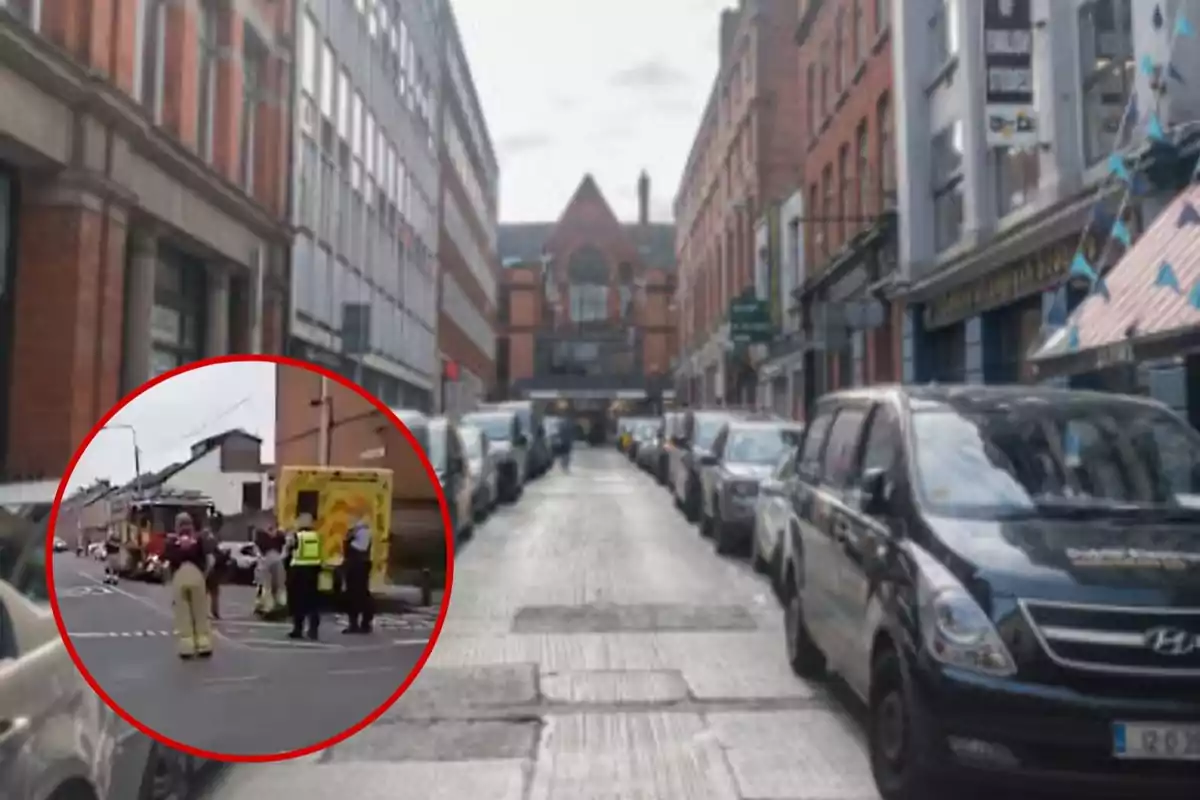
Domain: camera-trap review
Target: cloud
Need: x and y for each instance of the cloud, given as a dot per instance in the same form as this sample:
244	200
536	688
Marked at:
652	74
519	143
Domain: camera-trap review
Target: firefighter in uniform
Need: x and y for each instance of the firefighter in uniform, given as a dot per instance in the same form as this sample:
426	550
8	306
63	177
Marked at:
303	576
188	561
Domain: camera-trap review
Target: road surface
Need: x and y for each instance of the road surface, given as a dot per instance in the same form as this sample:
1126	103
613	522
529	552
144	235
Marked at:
596	647
258	693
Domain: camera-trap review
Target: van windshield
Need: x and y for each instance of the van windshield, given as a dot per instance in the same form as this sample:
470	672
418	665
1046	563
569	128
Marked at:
1080	457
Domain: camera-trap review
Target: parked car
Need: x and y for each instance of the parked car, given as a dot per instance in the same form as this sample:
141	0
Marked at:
744	453
772	516
650	447
538	458
242	558
60	545
694	439
447	455
484	469
57	737
507	439
1007	576
668	434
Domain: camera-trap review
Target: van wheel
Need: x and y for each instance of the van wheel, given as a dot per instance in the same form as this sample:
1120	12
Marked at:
805	658
897	735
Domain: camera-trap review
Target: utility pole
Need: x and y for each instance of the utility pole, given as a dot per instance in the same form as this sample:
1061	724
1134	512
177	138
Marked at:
324	424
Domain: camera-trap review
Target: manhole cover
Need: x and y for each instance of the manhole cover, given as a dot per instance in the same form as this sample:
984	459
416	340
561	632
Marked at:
631	619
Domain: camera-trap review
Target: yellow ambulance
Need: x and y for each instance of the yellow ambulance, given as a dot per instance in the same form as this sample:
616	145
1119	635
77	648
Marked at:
337	497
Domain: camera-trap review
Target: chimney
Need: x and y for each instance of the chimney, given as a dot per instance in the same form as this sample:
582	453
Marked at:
643	198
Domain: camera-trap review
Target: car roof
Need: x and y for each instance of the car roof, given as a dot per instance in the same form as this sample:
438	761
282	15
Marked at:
969	396
764	424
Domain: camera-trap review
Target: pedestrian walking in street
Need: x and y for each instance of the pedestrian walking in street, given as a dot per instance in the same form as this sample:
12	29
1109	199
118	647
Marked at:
357	563
304	573
271	598
188	561
112	558
568	442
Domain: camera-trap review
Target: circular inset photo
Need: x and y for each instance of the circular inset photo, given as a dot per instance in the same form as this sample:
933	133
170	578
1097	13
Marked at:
258	557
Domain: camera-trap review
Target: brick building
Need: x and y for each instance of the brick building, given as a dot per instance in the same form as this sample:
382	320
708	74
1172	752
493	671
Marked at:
746	156
585	304
845	60
467	216
143	150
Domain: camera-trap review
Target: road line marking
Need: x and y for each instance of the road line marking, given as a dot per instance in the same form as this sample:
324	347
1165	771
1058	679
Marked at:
233	679
410	641
116	634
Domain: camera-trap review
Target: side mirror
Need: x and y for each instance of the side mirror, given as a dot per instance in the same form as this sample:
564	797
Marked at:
708	460
876	493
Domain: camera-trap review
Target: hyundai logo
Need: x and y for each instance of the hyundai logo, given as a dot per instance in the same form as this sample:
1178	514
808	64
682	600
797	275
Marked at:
1168	641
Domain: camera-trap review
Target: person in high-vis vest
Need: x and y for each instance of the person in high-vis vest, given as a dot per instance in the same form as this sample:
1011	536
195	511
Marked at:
304	571
188	562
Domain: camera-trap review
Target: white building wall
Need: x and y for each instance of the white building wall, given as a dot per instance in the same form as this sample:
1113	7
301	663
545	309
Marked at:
924	106
225	488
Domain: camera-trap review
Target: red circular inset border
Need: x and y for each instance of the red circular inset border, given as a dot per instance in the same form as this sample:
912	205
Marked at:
437	628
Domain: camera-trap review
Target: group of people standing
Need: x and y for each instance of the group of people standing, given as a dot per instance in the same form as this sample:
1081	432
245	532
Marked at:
289	576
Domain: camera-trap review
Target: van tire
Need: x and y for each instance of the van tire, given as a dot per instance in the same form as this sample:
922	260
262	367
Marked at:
901	769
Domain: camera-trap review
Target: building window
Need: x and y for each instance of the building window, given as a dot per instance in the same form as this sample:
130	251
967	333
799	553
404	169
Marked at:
858	34
947	150
254	59
862	145
886	156
1107	69
308	72
825	79
208	28
845	187
883	15
1017	177
812	98
343	116
827	210
328	71
356	141
152	36
840	73
587	273
944	27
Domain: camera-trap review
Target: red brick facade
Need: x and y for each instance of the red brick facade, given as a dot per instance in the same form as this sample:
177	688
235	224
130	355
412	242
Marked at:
845	69
80	199
746	156
588	222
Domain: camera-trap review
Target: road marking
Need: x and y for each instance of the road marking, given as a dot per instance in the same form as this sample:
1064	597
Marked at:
232	679
82	591
117	634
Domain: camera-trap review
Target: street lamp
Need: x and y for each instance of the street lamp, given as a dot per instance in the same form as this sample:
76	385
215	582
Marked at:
137	463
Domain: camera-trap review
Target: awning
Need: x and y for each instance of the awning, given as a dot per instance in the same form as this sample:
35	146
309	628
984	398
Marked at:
1153	305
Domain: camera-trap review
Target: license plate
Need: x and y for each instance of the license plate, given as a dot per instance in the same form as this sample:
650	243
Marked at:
1156	740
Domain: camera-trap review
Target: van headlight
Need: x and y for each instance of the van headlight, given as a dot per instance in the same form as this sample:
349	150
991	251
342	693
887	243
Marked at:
956	631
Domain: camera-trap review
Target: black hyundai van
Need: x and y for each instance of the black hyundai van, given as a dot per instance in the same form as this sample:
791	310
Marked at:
1009	577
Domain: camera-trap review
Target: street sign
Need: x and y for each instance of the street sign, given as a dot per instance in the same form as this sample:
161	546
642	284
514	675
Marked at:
750	320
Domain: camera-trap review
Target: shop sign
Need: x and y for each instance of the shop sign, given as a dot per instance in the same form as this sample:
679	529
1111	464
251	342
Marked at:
1008	64
1014	281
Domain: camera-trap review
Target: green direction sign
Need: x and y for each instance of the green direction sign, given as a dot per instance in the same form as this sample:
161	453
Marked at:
750	320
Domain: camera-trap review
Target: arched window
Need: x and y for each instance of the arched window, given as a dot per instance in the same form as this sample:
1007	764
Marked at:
587	272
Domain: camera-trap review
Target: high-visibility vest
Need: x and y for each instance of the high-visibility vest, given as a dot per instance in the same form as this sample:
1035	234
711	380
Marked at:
307	552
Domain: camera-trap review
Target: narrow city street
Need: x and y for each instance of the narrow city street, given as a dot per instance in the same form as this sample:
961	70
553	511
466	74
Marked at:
259	693
596	647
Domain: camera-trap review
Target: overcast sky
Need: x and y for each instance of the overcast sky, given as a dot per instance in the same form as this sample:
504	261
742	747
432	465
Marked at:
610	88
173	415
